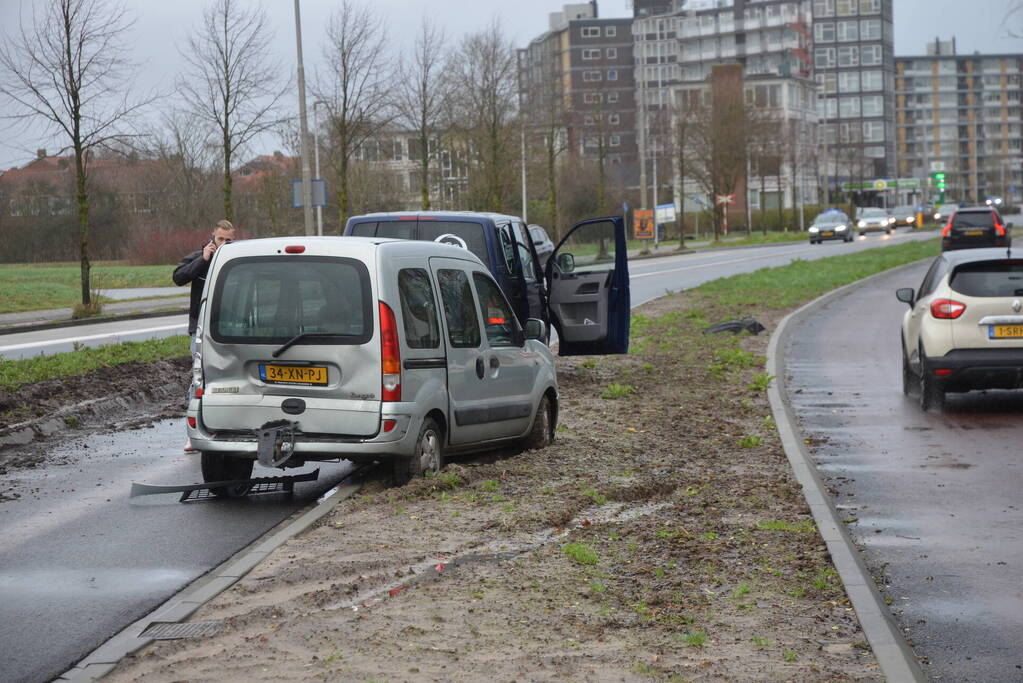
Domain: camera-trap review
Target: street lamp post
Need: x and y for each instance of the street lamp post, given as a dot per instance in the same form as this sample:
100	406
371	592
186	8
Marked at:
307	190
316	156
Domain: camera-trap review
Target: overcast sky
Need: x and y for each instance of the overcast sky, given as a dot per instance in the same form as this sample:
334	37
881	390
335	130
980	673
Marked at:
978	25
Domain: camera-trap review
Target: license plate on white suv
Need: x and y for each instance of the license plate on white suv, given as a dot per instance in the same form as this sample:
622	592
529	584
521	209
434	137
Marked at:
1006	332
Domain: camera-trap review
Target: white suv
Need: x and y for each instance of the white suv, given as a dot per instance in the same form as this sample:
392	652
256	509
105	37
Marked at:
964	327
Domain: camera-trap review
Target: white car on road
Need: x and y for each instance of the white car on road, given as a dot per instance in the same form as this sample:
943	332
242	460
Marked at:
964	327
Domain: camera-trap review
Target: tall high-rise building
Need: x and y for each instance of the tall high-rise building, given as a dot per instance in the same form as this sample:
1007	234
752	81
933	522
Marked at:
854	64
576	81
961	115
677	51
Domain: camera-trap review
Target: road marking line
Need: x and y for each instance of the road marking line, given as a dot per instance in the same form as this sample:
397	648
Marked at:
65	340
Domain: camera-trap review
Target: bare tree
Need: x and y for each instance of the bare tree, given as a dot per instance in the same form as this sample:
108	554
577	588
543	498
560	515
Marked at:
484	76
420	96
355	89
184	147
68	69
544	113
231	81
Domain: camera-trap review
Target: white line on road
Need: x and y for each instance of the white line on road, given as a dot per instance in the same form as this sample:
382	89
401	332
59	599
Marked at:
91	337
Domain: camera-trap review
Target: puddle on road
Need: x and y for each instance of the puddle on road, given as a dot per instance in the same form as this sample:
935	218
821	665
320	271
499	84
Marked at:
92	582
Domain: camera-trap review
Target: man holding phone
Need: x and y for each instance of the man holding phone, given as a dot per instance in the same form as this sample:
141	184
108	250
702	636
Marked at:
193	268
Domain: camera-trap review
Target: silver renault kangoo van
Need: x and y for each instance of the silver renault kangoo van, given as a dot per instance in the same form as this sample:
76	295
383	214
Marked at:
325	348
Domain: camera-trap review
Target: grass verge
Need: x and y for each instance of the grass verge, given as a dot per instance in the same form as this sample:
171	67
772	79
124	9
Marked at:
34	287
15	373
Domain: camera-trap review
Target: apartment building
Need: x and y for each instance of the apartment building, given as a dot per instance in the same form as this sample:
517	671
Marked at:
677	51
961	115
854	65
577	79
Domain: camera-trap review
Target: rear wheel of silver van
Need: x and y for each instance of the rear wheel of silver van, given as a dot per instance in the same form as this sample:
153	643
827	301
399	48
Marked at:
429	455
219	467
542	433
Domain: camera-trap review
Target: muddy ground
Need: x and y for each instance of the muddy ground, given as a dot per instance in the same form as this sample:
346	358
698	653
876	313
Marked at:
660	537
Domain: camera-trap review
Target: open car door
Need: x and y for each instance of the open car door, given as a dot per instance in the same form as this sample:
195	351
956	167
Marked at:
588	285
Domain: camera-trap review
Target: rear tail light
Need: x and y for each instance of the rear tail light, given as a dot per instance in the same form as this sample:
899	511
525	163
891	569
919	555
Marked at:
943	372
199	392
947	309
947	229
390	355
294	249
191	422
999	228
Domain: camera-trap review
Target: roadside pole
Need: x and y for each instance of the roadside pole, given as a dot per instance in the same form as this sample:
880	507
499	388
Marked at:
307	176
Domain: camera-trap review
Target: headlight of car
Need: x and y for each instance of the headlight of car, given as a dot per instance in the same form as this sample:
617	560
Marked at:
937	216
910	219
862	224
840	228
815	230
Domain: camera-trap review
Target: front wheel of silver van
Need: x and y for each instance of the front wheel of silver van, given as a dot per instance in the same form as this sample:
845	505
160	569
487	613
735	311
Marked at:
219	467
429	455
542	433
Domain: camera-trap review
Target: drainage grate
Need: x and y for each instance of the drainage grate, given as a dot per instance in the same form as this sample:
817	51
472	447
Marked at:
172	630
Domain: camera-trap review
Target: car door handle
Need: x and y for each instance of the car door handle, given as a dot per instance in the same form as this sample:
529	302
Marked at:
495	363
479	368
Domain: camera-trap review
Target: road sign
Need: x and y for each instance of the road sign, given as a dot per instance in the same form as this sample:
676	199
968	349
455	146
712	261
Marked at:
665	213
643	224
880	184
319	193
725	199
937	166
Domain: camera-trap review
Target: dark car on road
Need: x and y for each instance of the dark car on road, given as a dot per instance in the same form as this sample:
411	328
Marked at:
905	214
831	225
971	227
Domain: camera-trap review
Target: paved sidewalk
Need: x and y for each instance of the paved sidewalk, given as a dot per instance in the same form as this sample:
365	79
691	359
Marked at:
119	309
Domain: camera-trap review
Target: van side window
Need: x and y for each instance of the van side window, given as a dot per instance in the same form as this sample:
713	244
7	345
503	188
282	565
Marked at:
459	309
507	248
525	254
418	309
498	319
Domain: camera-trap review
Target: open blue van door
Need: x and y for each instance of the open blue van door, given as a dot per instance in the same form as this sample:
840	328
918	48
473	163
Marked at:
588	284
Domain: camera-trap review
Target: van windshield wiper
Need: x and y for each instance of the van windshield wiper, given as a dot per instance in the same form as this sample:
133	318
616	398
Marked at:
297	338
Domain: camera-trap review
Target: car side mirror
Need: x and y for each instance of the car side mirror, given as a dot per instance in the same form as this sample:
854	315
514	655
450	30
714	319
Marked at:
566	263
536	329
906	295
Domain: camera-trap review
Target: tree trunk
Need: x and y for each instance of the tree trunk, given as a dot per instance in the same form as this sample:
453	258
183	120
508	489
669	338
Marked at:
82	201
552	188
342	191
424	182
228	207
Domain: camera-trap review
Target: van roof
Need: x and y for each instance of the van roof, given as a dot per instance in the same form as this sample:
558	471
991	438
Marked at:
358	247
438	215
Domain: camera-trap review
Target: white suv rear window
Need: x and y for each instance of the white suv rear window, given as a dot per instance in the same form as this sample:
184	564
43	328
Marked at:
989	278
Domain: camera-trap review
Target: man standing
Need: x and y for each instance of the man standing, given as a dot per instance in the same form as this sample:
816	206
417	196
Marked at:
193	268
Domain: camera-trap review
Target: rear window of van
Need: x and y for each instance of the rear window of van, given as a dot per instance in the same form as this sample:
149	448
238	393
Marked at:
271	299
989	278
467	231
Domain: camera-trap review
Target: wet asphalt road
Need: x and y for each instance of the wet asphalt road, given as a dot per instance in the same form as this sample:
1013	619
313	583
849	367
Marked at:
932	498
79	560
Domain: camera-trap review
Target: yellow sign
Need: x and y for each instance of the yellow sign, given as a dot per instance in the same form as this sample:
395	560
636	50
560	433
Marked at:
643	224
880	185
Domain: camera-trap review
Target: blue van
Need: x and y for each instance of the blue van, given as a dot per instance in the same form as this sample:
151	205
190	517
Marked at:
583	292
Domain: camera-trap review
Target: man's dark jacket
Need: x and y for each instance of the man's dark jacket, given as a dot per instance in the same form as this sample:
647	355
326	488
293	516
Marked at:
193	268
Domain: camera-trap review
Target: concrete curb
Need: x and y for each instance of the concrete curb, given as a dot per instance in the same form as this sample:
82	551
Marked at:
893	654
103	659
